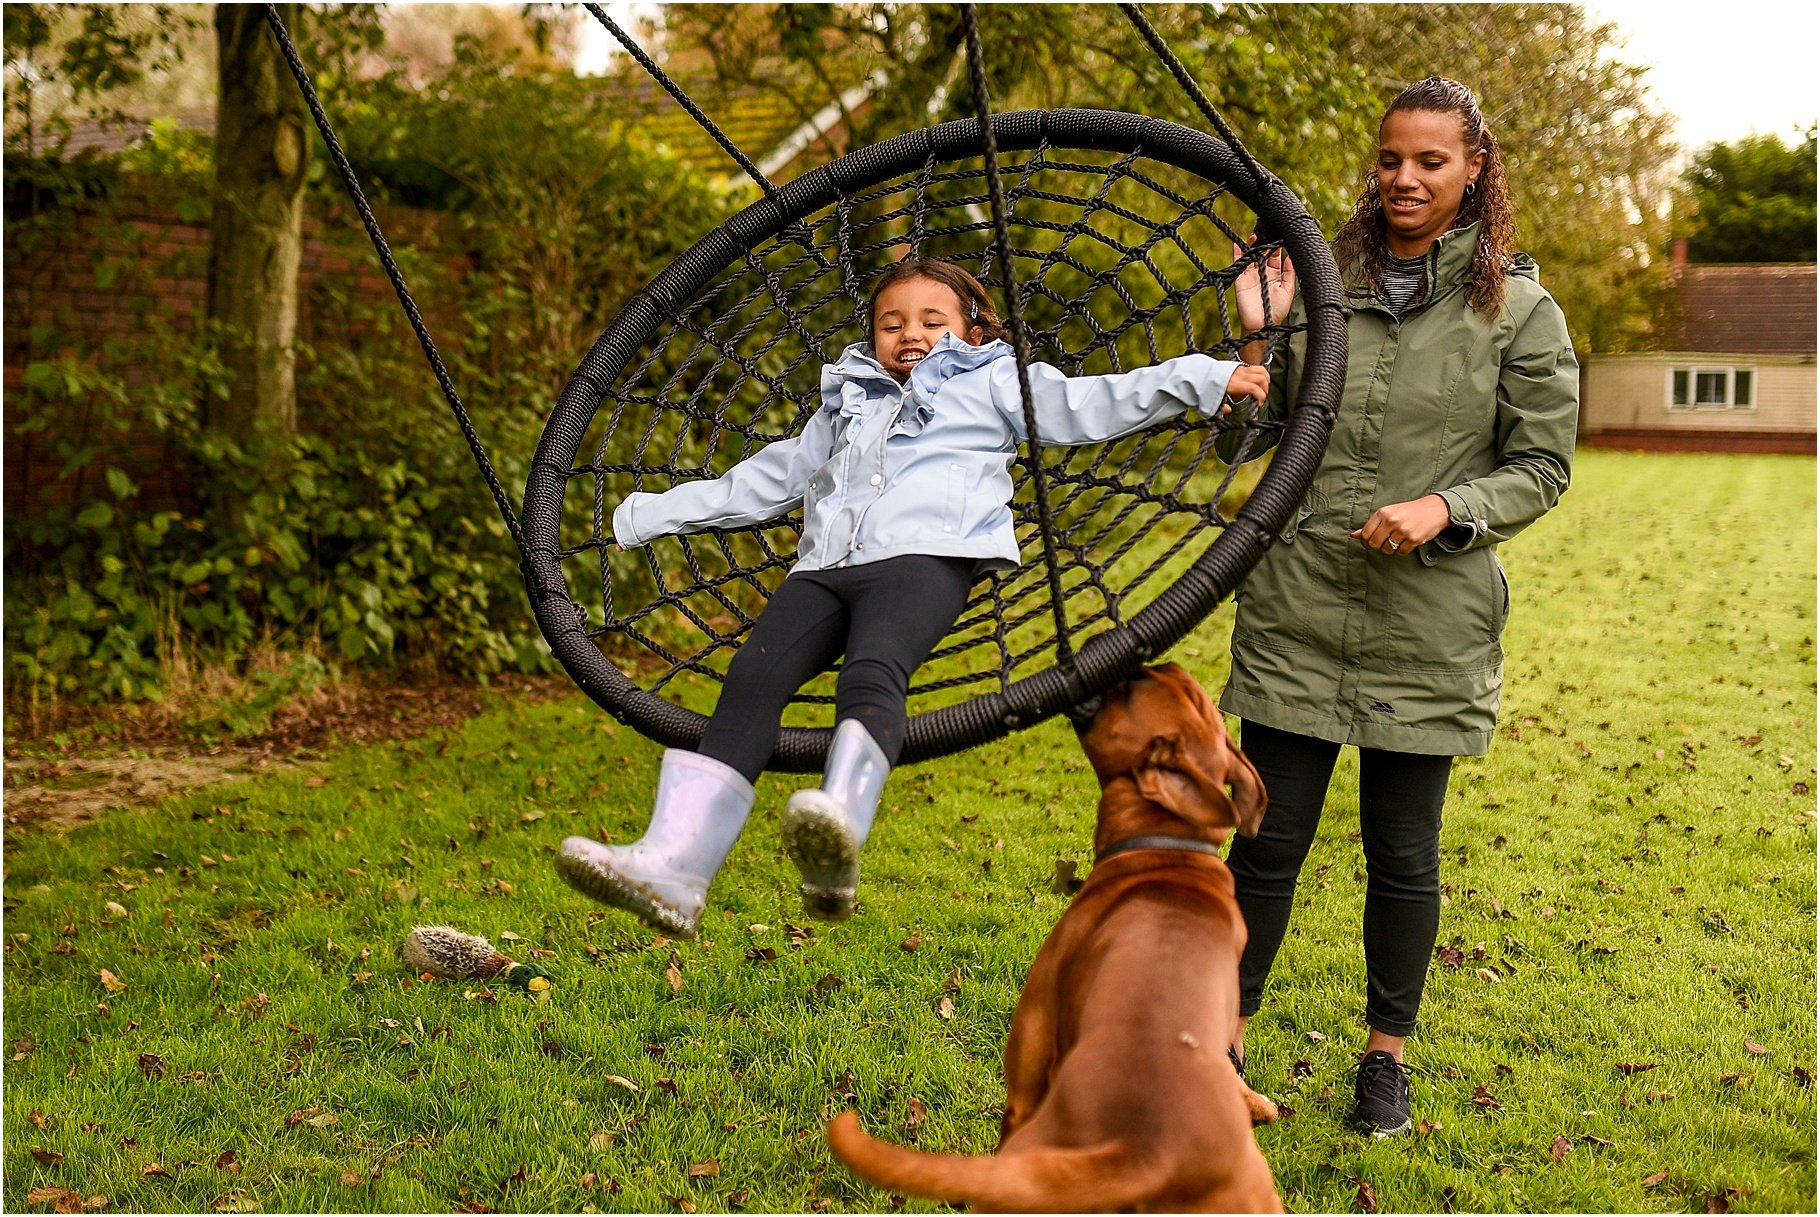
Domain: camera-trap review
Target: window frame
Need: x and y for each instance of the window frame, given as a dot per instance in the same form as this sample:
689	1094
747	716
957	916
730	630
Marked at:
1693	371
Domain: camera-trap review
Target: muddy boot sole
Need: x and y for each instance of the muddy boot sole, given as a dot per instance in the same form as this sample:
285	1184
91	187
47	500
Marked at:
818	840
597	882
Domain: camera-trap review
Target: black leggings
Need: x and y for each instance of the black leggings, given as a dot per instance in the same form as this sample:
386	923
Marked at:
885	616
1400	797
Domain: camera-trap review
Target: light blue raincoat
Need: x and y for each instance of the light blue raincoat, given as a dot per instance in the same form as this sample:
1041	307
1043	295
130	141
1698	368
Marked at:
885	469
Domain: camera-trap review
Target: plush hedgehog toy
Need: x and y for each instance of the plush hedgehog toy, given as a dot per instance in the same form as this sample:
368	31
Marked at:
445	951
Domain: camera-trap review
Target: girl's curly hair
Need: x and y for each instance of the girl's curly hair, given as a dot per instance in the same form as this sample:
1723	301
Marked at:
1362	240
975	304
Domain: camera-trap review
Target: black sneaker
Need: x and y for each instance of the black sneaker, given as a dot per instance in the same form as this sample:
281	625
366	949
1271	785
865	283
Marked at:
1381	1095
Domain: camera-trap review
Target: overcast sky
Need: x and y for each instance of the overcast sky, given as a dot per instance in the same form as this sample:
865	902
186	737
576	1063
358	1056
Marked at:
1723	69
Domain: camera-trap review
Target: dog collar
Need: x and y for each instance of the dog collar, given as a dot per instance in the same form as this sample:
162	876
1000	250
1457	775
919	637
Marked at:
1155	842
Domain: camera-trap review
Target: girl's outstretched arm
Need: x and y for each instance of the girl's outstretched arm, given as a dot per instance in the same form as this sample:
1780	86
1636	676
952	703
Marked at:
1091	409
762	487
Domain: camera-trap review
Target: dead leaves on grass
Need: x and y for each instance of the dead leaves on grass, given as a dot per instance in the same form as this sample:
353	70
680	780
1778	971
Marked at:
62	1200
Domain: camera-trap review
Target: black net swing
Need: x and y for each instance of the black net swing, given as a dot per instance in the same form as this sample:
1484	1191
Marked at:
1105	234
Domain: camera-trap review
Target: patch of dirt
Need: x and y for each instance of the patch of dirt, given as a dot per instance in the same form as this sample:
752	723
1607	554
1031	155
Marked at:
123	757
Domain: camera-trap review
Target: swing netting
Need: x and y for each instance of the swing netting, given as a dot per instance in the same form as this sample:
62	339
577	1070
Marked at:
1121	235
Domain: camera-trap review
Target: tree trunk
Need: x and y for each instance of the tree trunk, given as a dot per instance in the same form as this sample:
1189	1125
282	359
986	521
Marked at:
256	239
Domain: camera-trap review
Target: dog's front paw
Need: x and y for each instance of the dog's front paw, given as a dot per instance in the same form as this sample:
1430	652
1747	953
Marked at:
1262	1110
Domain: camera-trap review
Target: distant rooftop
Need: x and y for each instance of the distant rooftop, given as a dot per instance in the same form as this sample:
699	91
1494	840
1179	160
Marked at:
1745	309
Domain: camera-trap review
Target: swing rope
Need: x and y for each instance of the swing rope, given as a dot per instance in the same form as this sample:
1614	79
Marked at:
1020	339
352	183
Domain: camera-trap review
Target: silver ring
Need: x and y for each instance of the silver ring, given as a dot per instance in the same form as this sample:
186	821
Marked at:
1394	546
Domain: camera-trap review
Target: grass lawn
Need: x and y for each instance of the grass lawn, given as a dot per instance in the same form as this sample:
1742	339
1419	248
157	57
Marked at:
205	1009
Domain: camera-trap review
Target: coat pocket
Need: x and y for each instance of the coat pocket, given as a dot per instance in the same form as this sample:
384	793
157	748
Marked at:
954	507
1447	617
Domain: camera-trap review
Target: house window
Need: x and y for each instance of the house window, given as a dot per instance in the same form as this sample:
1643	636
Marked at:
1711	388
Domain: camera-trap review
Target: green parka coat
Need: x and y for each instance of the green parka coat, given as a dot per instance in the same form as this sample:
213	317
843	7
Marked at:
1402	652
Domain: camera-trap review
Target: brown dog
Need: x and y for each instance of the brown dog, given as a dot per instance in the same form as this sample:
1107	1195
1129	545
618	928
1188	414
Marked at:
1118	1090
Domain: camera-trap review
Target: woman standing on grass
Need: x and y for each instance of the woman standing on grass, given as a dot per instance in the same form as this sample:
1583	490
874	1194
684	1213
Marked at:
1375	619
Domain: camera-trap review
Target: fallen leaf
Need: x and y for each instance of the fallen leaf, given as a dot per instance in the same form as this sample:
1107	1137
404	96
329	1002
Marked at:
513	1179
1560	1148
1316	1037
667	1085
1658	1096
323	1120
602	1140
1802	1077
110	982
1367	1199
944	1009
1653	1180
115	909
628	1083
37	1118
49	1157
1641	1067
151	1066
918	1112
828	984
23	1048
228	1161
953	983
682	1203
1066	881
236	1201
761	954
352	1178
673	973
1449	955
1481	1097
709	1169
1754	1048
154	1168
910	943
1424	1128
738	1199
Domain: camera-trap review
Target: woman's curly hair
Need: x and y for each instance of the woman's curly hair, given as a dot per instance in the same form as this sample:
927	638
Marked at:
970	291
1362	241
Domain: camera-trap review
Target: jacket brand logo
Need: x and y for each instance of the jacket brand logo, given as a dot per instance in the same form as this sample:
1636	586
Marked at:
1383	707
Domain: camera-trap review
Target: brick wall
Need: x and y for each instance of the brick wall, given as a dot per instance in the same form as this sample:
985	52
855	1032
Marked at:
144	254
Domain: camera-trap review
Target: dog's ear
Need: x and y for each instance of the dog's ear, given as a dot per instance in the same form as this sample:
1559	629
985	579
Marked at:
1192	783
1169	777
1247	792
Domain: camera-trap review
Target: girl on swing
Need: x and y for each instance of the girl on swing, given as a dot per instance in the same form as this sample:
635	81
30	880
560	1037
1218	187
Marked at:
904	481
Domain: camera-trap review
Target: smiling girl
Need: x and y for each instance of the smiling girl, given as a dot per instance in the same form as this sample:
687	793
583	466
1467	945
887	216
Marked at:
904	480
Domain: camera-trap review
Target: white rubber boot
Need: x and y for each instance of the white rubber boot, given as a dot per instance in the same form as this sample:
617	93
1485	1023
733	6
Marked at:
824	829
663	876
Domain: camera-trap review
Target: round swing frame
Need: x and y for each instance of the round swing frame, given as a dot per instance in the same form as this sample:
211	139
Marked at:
1104	659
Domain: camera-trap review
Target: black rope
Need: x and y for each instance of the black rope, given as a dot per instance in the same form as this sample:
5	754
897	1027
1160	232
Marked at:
683	99
1014	315
1193	89
352	184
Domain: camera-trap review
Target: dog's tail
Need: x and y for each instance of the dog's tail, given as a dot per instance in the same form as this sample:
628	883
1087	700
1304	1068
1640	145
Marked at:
1091	1178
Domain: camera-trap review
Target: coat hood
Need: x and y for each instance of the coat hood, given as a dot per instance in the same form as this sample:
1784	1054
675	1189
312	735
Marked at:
1450	263
950	358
